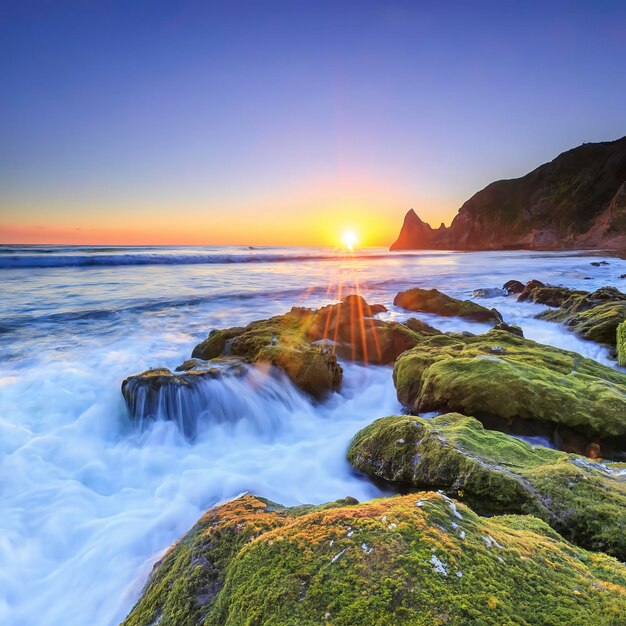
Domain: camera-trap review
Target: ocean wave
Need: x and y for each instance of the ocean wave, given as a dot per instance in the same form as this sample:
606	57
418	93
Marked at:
15	261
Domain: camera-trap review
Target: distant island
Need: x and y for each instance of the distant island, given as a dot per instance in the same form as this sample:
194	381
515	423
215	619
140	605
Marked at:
578	200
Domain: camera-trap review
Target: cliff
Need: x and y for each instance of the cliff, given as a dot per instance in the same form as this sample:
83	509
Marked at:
578	200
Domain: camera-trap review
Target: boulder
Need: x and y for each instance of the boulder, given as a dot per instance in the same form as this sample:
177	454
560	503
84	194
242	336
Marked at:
356	334
513	286
507	377
348	329
496	473
280	342
593	316
540	293
414	559
433	301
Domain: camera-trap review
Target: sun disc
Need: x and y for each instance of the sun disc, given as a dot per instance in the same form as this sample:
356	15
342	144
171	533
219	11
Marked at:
349	239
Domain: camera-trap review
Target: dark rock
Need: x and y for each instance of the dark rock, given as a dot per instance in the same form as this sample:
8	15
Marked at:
513	286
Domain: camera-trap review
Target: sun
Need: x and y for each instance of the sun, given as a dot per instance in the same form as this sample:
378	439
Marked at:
349	239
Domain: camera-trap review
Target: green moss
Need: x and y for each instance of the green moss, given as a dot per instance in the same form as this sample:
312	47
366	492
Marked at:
433	301
417	559
620	334
502	375
279	341
593	316
495	473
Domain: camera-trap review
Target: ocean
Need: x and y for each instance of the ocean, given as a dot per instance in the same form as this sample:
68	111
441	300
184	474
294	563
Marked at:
89	500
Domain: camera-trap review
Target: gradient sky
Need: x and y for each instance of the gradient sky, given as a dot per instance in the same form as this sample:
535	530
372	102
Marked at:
285	122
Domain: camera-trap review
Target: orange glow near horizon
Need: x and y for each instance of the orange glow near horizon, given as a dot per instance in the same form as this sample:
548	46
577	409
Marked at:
313	215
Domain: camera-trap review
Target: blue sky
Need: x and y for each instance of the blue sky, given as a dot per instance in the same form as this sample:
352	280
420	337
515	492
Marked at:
263	122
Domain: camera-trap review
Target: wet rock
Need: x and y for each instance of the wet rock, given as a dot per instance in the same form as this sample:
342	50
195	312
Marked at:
516	330
513	286
280	342
433	301
594	316
524	380
599	263
356	334
538	292
421	327
179	395
489	292
388	561
496	473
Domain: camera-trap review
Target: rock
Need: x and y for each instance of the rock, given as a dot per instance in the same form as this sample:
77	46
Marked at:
179	395
280	342
622	275
524	380
578	200
496	473
599	263
489	292
621	344
516	330
421	327
513	286
414	559
433	301
593	316
355	333
538	292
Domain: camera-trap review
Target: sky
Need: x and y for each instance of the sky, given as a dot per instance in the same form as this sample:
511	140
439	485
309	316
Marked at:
285	123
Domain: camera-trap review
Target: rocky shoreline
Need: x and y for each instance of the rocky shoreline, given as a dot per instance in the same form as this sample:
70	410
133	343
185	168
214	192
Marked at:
493	530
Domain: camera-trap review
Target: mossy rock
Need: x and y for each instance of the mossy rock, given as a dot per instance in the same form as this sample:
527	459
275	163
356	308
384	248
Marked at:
419	559
496	473
303	343
278	341
433	301
355	334
621	344
348	329
508	377
594	316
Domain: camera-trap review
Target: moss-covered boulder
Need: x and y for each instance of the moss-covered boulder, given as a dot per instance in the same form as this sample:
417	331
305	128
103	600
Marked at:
280	342
348	329
593	316
505	376
540	293
433	301
621	344
303	343
354	332
418	559
496	473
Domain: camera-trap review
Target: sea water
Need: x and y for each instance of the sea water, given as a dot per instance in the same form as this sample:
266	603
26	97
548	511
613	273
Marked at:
88	500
